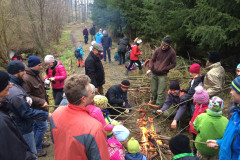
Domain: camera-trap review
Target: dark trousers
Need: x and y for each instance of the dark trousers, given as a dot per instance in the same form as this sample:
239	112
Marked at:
85	39
133	61
115	110
57	96
194	148
108	52
121	56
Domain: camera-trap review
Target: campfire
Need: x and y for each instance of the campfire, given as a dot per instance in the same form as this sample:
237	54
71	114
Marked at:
150	143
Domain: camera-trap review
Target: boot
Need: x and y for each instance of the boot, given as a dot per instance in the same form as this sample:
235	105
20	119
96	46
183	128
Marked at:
140	72
126	73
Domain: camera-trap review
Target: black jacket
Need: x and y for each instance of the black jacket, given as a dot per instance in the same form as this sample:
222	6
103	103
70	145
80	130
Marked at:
94	69
106	41
13	146
123	44
93	31
21	112
116	96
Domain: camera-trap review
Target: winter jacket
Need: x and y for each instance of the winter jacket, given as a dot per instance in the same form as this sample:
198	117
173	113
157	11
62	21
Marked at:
60	75
116	96
232	107
21	112
108	120
96	113
136	156
85	32
185	156
93	31
98	37
34	86
135	52
94	69
198	81
106	41
123	44
230	143
199	109
173	100
76	135
214	79
13	146
162	61
209	125
115	149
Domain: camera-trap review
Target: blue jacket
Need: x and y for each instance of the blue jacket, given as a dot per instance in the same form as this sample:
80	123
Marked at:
20	110
98	37
230	143
135	156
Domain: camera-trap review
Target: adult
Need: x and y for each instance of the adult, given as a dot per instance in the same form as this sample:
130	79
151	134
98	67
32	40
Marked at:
215	78
163	59
173	98
11	140
107	45
34	86
92	32
56	73
117	97
123	44
229	144
134	56
81	136
99	36
233	106
20	102
85	34
94	68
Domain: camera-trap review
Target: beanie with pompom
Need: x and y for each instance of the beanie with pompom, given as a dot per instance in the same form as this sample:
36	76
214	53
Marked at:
200	96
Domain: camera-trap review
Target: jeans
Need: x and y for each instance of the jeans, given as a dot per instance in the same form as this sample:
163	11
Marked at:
39	128
108	52
158	85
85	39
121	56
57	96
29	138
92	37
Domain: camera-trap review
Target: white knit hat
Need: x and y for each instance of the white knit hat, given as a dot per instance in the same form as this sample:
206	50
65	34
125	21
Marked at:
49	59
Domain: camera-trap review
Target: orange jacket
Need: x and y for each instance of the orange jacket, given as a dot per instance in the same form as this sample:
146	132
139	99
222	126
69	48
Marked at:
135	52
76	135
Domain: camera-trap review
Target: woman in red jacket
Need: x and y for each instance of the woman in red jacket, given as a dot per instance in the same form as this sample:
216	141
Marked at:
56	73
134	56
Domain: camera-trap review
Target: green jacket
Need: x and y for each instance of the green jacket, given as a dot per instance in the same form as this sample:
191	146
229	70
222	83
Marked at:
209	126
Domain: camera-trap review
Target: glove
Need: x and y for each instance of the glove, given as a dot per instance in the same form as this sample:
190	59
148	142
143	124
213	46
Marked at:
29	100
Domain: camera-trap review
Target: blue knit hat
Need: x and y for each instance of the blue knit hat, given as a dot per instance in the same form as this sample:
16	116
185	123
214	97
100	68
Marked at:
15	67
33	61
236	84
120	132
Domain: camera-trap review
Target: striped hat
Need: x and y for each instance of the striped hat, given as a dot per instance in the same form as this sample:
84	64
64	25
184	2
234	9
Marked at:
236	84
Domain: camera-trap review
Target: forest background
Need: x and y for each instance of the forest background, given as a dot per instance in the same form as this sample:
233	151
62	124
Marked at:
196	27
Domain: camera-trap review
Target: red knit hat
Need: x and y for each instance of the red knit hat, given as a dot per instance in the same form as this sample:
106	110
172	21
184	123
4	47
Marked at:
195	68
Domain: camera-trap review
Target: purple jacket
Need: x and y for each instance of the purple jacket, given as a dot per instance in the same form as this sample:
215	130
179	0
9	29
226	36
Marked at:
85	32
59	76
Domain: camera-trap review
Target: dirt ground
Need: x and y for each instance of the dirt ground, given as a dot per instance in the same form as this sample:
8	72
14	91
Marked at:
114	74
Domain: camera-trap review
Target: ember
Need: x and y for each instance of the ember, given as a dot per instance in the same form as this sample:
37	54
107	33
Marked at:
149	141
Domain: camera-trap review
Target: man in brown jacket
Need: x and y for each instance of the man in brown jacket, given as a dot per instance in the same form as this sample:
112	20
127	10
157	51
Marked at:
163	59
34	86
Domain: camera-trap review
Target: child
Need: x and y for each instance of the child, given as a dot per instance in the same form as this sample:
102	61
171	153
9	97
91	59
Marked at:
116	143
179	146
210	125
79	56
200	99
96	112
133	151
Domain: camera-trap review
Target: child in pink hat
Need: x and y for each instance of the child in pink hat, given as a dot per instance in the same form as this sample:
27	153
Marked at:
201	100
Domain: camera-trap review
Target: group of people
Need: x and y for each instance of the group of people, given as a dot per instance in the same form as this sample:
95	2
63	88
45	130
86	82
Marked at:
83	129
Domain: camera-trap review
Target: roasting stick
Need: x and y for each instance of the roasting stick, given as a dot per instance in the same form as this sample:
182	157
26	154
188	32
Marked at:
175	106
